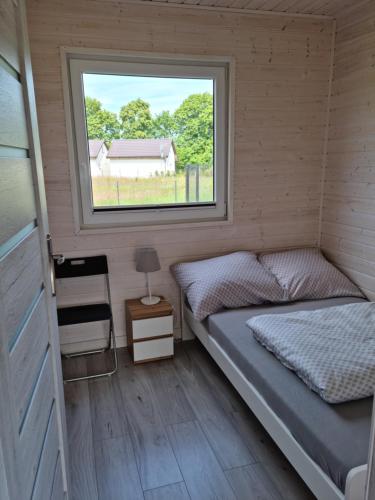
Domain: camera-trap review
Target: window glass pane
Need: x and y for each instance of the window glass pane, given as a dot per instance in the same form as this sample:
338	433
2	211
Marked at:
151	140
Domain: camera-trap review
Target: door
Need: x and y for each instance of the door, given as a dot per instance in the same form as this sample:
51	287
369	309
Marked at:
32	415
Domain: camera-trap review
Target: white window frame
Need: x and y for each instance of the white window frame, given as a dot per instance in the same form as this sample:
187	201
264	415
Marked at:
75	63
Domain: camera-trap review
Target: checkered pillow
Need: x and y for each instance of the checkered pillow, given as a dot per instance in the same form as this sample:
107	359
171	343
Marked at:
306	274
230	281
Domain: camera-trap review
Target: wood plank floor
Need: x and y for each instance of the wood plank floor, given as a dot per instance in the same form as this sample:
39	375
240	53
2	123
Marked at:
169	430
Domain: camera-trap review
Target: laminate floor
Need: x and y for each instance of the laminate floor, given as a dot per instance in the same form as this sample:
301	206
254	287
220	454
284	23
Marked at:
169	430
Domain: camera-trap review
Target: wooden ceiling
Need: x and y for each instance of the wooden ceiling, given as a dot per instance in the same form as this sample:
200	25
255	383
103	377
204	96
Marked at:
330	8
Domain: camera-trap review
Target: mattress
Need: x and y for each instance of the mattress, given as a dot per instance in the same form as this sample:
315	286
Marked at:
336	436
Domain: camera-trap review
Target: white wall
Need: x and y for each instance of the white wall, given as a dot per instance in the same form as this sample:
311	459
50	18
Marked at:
171	161
139	167
94	168
98	165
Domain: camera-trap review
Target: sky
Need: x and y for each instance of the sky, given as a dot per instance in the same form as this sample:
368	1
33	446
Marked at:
163	94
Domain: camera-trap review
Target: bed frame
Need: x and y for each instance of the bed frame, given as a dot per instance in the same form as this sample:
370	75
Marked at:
314	477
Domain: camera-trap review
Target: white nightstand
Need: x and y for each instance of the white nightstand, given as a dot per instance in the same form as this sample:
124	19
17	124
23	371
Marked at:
149	330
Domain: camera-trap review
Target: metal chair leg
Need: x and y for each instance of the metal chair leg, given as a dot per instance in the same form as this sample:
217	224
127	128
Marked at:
111	342
112	338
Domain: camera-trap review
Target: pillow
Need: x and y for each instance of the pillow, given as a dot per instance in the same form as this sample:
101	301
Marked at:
230	281
306	274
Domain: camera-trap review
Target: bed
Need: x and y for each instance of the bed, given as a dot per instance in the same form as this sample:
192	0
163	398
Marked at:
330	458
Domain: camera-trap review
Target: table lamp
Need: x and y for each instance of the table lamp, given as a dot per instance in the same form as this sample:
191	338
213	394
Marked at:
147	261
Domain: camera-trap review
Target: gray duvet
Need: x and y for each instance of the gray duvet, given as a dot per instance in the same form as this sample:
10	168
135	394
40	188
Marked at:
332	350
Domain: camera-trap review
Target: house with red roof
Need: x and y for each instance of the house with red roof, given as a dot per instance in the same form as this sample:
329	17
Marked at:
141	157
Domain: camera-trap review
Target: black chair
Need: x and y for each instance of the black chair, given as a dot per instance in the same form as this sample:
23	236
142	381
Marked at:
87	313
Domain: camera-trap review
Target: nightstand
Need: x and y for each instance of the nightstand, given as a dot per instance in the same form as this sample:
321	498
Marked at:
149	330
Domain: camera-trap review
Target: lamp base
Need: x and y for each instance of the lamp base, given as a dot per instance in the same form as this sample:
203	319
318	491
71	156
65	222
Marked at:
150	301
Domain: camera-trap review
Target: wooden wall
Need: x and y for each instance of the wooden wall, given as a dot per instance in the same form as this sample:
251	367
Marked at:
282	73
348	222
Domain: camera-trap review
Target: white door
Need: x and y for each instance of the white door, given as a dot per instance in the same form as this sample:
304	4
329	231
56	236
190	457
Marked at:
32	415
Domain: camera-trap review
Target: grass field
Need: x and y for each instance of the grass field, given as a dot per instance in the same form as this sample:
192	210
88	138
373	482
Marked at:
110	191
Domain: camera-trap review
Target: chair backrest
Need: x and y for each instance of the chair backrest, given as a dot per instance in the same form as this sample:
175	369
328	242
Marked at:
81	266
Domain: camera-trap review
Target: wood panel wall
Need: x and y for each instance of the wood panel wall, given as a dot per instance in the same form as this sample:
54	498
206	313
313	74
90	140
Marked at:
348	221
282	73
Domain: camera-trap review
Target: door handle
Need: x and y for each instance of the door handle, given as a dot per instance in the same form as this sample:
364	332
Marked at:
52	257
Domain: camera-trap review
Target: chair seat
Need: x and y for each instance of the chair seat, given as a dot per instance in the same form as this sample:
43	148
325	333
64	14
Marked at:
83	314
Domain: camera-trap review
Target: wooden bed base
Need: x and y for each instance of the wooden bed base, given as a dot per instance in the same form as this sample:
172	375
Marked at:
314	477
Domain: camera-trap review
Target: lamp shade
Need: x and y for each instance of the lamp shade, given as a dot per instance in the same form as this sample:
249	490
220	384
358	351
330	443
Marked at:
147	260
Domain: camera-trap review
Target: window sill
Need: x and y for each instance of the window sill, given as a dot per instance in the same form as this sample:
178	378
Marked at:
105	229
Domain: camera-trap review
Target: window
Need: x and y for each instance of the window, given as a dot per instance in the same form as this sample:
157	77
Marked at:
150	138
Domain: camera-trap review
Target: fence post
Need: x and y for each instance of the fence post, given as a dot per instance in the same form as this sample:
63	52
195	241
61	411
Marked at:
187	183
197	172
188	170
118	192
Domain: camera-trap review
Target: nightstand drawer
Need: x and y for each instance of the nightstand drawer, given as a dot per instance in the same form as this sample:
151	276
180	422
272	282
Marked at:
153	349
153	327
